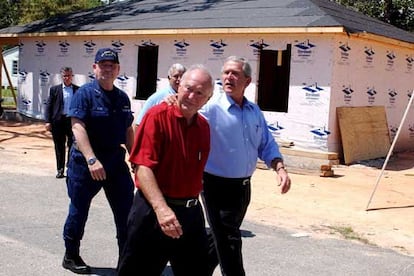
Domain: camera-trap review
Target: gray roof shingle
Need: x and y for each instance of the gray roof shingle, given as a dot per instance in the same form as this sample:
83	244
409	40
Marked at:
194	14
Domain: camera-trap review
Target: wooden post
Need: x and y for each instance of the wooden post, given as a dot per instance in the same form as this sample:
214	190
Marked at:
8	78
1	73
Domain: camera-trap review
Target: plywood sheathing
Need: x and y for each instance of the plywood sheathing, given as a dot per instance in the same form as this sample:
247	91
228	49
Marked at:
364	132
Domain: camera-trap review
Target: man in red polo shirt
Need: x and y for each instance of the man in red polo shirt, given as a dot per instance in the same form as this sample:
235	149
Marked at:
166	221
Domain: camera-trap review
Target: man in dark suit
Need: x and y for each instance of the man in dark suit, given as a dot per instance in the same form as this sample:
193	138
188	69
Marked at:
57	122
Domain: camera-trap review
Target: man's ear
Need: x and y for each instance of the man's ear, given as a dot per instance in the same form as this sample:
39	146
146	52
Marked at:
248	81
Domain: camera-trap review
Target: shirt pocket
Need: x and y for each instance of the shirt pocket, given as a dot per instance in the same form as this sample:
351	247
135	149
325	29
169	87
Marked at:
100	112
255	129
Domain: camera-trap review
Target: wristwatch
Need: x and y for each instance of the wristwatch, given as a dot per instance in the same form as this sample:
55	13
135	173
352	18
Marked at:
92	161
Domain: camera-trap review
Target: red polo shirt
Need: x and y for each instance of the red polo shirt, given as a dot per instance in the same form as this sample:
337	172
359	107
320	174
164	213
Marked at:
176	152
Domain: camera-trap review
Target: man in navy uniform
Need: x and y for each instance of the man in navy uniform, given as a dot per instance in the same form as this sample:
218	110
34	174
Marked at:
102	127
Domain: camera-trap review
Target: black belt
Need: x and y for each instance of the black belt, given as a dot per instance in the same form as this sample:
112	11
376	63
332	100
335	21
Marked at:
240	181
182	202
64	117
100	149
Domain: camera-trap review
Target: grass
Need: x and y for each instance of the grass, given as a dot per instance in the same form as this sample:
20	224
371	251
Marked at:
7	95
348	233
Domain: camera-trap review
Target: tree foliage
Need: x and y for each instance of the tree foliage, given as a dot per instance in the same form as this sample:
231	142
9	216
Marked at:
14	12
8	14
32	10
399	13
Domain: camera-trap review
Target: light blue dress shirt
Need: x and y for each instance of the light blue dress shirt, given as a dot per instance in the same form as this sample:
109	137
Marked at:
154	99
67	97
239	136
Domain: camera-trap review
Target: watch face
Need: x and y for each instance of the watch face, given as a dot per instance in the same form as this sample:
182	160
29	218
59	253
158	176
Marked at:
92	160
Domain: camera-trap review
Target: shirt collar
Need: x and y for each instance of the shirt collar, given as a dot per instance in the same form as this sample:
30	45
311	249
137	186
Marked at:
171	90
177	113
228	102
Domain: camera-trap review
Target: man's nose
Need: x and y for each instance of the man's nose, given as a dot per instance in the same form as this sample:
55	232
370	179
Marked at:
230	75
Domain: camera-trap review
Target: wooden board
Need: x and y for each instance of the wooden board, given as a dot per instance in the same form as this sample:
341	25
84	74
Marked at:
309	153
364	133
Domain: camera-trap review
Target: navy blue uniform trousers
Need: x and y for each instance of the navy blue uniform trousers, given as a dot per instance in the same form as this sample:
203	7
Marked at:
118	187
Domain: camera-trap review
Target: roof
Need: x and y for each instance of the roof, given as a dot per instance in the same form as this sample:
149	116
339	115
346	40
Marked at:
212	14
11	51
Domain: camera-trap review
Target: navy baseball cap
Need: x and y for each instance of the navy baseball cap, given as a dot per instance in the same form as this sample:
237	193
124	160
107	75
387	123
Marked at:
106	54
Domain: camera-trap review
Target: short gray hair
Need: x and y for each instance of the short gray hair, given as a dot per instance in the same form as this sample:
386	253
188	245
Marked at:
247	69
204	69
65	69
176	67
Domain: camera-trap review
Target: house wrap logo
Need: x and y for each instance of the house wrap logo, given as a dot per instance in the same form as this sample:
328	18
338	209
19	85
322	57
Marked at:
347	91
64	48
22	76
390	60
21	47
411	130
345	49
313	92
275	129
257	46
409	95
217	47
409	59
117	46
392	96
181	47
369	56
25	101
371	92
122	81
147	43
393	132
40	48
89	47
44	77
304	48
320	135
91	76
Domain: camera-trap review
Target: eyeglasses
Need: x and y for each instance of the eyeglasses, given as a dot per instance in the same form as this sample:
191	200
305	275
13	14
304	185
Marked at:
176	77
67	76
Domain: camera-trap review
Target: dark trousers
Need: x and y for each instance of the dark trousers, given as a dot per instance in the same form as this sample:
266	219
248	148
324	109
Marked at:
118	188
148	249
226	201
62	135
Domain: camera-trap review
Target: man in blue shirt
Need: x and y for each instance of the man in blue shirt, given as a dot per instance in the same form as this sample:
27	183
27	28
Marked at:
102	126
239	136
175	73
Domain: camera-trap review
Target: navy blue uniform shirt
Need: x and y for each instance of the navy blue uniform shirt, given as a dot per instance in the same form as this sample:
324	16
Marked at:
106	115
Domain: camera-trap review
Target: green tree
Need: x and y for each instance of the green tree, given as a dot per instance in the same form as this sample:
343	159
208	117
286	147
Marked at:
8	14
32	10
399	13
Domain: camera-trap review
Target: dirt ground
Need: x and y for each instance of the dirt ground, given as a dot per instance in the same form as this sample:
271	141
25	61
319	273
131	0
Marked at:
319	207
